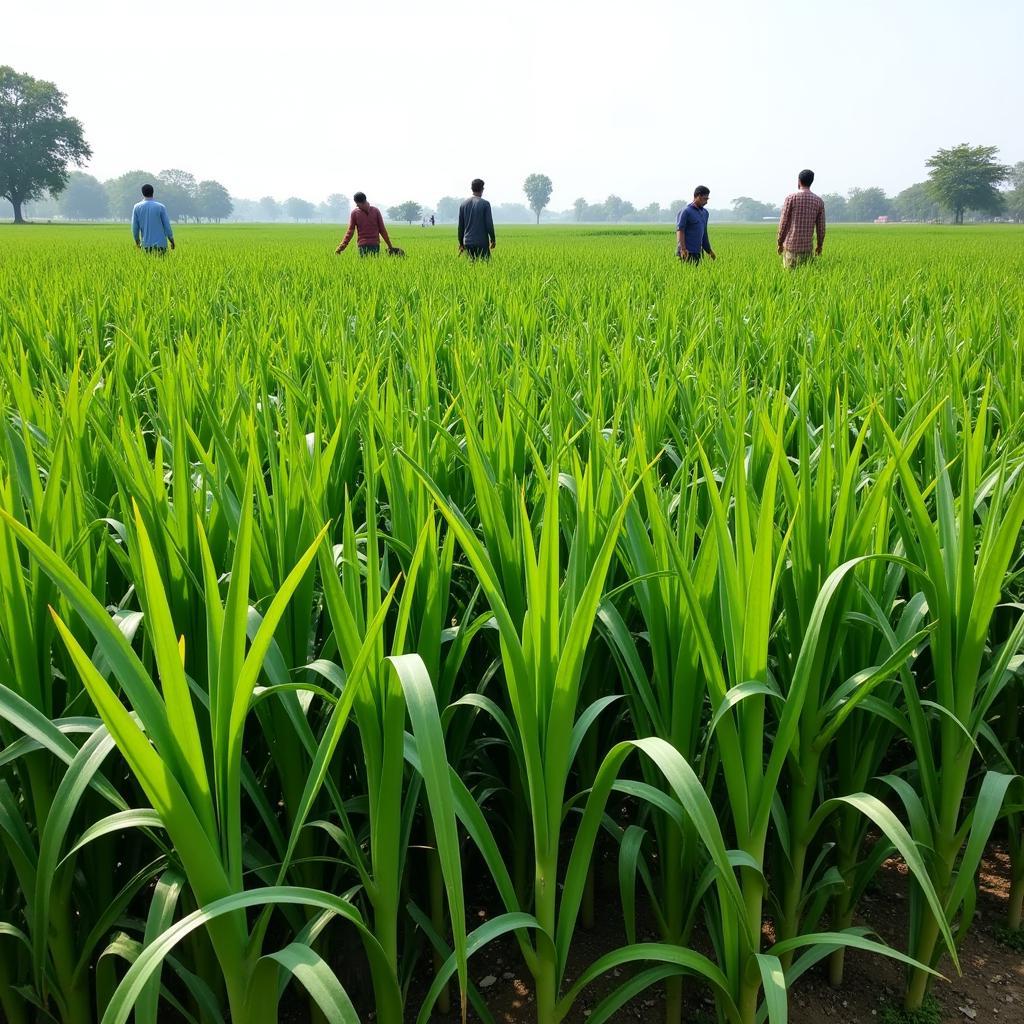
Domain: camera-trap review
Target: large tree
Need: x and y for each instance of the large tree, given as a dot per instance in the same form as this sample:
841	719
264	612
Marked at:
184	179
299	209
270	208
37	139
965	178
212	201
177	191
538	189
448	209
616	208
84	198
408	211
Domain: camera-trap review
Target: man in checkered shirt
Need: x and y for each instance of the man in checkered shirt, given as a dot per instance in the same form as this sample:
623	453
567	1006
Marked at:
803	214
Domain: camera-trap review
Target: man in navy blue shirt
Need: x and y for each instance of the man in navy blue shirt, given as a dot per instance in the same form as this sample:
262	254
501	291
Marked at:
692	228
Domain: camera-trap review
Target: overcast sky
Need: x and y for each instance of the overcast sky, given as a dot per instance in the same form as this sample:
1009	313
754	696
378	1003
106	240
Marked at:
410	100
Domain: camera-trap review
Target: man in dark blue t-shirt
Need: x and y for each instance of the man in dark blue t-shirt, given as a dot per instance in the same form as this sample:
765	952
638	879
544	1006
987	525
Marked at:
692	228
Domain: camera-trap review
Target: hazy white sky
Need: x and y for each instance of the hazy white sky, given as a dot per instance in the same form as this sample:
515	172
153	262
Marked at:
410	100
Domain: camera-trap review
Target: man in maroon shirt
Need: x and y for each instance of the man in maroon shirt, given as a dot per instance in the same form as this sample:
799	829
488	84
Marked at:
803	214
367	224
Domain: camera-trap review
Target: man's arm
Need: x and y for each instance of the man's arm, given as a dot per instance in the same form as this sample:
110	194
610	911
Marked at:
136	226
706	242
462	226
490	226
348	234
383	230
787	214
819	227
166	222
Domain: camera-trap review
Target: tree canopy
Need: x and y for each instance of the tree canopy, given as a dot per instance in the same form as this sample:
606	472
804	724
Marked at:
867	204
753	209
176	190
1015	197
965	178
212	201
84	198
299	209
448	208
335	206
270	208
538	190
408	211
835	207
125	191
916	203
38	140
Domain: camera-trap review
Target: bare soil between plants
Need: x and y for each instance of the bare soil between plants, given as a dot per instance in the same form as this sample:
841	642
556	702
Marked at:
990	990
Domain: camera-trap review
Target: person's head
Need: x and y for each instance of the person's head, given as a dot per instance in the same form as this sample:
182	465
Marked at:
147	191
360	200
806	178
477	185
701	195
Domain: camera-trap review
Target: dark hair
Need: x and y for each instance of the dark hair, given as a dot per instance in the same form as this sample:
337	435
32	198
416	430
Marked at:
701	190
477	184
806	178
359	197
147	191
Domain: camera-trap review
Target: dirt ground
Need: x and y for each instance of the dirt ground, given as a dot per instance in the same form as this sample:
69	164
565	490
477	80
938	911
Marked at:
990	990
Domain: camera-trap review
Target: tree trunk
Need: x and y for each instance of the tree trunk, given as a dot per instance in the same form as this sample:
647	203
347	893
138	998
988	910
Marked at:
538	218
18	219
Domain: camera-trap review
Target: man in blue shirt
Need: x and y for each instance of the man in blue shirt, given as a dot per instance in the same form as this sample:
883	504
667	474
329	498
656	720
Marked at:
692	228
151	227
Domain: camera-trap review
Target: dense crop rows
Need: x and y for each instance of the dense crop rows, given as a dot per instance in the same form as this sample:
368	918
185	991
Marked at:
716	570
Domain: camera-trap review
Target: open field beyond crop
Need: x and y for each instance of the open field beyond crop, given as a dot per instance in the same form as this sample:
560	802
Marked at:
338	596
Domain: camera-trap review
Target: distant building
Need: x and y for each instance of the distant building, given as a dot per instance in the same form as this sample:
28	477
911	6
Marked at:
881	220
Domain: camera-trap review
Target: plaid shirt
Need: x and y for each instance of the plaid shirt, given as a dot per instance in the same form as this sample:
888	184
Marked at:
802	213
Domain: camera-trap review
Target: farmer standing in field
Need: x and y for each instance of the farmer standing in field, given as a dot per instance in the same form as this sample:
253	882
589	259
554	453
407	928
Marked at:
151	227
476	225
368	225
803	214
692	228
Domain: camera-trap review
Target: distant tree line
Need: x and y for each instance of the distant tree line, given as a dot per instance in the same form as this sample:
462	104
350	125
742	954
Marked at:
85	197
40	142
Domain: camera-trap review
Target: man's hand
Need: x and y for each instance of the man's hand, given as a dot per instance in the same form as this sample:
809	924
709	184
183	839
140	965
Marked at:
817	252
711	253
462	249
172	242
340	249
780	248
493	244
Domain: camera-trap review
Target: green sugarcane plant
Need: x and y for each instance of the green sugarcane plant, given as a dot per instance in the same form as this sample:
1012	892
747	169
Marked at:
734	653
960	554
543	656
198	803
